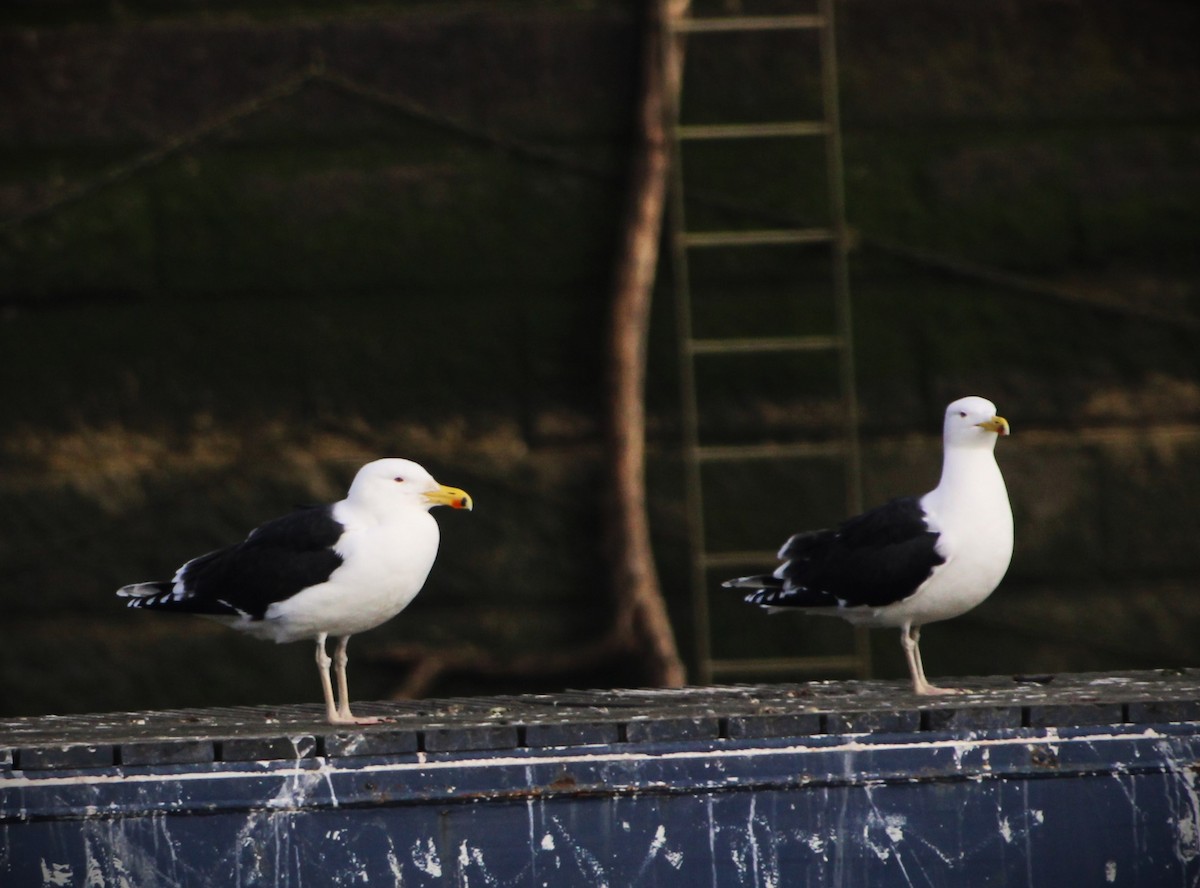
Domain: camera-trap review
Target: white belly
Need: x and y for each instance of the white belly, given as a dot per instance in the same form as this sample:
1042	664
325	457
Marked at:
384	568
969	575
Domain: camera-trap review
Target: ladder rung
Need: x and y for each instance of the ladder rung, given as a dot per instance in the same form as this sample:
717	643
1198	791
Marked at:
784	665
753	130
751	452
747	23
763	344
757	237
730	560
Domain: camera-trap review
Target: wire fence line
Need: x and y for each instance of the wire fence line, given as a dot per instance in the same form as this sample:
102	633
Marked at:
317	72
160	153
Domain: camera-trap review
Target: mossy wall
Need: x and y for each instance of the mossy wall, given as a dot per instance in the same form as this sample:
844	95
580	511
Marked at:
418	264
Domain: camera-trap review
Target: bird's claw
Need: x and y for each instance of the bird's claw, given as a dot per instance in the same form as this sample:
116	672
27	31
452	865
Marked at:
346	718
934	691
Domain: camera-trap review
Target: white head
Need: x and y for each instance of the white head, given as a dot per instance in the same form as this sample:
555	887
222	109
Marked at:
973	422
387	485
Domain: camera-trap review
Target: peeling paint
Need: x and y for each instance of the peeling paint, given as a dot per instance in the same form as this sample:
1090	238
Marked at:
425	858
587	863
393	865
1006	831
56	874
892	828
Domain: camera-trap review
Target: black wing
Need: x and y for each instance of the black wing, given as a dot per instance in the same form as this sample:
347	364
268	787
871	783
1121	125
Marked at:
877	558
276	561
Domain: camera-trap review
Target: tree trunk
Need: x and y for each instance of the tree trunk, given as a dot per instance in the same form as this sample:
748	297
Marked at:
642	618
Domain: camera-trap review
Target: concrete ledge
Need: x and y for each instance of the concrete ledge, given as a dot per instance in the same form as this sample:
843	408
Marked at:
1065	779
588	718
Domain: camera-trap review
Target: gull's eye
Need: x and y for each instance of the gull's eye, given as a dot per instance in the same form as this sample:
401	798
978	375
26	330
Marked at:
401	480
961	413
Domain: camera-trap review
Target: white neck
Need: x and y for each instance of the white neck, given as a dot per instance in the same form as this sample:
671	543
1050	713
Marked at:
367	510
970	480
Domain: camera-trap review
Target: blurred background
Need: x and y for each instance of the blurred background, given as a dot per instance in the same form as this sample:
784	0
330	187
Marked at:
248	245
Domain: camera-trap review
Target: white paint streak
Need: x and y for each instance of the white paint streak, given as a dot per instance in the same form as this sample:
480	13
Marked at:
426	859
587	862
660	839
394	866
547	842
116	860
467	856
893	825
883	852
658	845
1006	830
56	874
712	839
1187	815
761	860
94	872
961	749
325	769
753	838
1110	871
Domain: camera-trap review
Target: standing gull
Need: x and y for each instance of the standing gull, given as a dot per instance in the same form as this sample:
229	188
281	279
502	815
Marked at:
914	560
337	570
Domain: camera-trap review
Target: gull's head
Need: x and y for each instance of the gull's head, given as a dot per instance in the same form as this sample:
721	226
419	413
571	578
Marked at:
390	484
973	422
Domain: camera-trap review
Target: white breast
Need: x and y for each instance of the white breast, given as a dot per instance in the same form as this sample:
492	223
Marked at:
975	526
384	567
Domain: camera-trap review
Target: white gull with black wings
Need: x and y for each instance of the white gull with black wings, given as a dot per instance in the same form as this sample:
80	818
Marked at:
913	560
328	570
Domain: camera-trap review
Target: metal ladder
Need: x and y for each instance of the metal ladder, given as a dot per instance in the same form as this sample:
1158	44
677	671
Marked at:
838	344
